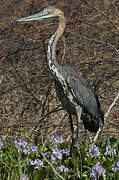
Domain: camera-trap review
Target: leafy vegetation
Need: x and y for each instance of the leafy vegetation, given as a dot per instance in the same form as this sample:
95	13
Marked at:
52	160
29	107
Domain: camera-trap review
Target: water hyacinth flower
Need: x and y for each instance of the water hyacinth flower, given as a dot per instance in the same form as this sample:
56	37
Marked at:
116	168
23	146
110	150
26	151
26	148
66	151
34	149
58	139
36	163
57	153
25	177
53	158
94	151
1	144
97	171
63	168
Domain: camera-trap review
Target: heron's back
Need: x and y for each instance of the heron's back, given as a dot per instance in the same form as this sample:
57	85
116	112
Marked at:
83	95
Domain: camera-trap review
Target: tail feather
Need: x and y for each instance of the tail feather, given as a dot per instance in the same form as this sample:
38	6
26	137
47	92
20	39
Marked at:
92	124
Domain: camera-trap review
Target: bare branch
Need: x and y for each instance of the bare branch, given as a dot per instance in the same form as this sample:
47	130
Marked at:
111	106
95	8
102	42
57	126
106	115
55	172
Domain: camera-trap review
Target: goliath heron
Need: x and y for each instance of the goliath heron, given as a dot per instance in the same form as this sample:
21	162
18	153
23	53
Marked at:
73	90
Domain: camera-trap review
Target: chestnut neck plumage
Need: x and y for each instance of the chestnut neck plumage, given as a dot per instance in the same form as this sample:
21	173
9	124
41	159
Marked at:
51	53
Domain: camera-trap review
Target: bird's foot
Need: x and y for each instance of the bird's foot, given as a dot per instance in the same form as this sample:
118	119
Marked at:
74	150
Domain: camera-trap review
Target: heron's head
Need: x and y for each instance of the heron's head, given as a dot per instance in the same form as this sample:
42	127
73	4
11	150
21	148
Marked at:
47	13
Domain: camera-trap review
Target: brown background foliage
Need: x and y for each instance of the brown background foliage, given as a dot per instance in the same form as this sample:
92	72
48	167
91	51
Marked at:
29	107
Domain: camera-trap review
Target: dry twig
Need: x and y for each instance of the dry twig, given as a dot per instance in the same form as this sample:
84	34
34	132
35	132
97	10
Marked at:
55	172
111	106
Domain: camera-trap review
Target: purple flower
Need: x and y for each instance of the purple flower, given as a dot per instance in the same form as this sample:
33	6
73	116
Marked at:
53	158
26	150
116	168
63	168
23	146
34	149
97	171
1	144
66	151
57	153
25	177
94	151
110	150
31	162
37	163
58	139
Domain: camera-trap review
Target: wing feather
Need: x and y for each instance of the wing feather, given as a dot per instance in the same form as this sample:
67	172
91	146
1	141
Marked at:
83	93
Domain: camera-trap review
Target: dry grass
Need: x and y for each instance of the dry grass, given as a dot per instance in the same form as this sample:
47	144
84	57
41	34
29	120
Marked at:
28	102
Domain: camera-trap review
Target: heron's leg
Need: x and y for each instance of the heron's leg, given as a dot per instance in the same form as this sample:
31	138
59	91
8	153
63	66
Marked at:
79	111
72	130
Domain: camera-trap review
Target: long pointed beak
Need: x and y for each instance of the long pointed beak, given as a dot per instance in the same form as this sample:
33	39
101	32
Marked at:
39	16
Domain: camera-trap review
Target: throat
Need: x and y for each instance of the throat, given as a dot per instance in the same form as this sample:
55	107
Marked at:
55	68
51	55
53	65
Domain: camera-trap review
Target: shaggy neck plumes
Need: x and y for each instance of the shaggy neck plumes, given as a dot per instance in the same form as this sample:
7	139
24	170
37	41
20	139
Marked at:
51	53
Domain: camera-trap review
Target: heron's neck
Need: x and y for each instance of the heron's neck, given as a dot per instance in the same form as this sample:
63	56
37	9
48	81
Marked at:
51	53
